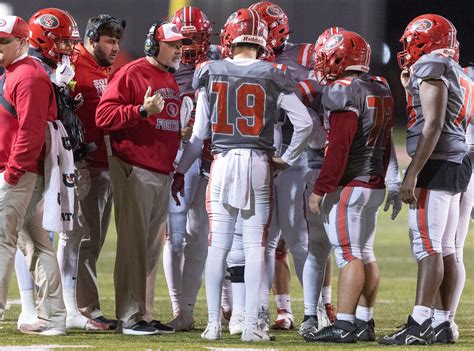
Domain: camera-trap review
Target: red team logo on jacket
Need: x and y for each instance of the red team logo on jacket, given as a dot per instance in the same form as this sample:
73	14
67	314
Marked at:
171	109
49	21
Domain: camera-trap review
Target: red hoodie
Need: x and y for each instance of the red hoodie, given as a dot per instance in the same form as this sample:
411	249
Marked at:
151	142
91	81
29	90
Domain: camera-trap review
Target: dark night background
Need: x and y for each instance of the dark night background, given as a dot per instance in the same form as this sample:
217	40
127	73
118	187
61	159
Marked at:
379	21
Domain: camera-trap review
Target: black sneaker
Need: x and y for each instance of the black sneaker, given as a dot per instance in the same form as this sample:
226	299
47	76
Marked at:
140	328
411	333
340	332
112	323
365	330
161	328
444	333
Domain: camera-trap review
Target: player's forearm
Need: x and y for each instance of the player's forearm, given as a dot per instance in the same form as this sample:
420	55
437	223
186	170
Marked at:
302	126
191	152
392	177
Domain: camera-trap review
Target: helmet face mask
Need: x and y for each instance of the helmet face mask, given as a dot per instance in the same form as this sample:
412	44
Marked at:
194	24
244	26
343	51
54	33
425	34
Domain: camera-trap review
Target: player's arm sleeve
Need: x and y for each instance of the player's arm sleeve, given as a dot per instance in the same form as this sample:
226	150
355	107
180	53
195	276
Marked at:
201	131
31	135
201	75
302	125
115	111
341	134
277	138
392	177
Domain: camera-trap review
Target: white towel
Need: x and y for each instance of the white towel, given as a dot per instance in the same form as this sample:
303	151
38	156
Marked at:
237	181
59	181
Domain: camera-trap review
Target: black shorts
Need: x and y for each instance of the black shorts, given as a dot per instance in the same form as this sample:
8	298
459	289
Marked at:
445	175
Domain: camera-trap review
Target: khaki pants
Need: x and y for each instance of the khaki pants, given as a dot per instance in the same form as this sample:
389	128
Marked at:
95	211
141	204
21	213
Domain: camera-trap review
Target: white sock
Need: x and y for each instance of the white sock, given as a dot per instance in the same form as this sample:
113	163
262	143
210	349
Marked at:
268	273
226	302
421	313
326	293
364	313
214	274
23	275
28	305
283	302
238	298
173	267
254	268
345	317
69	296
68	258
439	317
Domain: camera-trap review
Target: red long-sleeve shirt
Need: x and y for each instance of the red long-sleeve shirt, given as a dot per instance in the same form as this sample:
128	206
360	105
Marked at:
91	81
151	142
29	90
344	126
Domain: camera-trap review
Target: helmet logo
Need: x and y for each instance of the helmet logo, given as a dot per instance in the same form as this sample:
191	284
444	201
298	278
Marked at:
2	22
333	41
422	25
275	11
49	21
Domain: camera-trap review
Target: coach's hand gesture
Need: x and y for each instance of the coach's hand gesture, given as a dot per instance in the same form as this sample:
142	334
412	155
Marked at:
153	104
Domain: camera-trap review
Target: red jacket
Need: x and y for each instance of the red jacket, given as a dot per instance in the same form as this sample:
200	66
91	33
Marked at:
149	143
91	81
29	89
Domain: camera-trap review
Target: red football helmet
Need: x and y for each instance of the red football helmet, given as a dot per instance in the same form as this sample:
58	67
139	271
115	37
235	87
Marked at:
323	37
425	34
343	51
54	33
243	26
194	24
277	22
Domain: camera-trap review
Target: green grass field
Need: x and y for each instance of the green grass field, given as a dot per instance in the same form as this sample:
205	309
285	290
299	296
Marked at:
395	301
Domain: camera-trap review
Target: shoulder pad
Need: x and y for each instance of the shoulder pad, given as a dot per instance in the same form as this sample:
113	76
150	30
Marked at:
339	96
430	66
305	54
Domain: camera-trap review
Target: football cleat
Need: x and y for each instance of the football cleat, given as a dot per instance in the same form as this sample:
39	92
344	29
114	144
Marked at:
254	333
444	333
284	321
340	332
411	333
365	330
212	332
183	322
236	324
78	321
39	328
309	325
24	318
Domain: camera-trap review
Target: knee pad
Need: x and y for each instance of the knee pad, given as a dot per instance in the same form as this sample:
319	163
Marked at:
236	274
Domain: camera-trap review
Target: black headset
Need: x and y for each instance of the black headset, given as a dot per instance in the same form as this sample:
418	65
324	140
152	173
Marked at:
152	46
93	31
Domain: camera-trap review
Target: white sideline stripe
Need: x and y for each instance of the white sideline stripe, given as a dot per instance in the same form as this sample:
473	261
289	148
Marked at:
43	347
236	349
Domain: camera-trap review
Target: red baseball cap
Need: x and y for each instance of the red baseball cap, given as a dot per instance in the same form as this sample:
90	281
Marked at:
13	26
169	32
